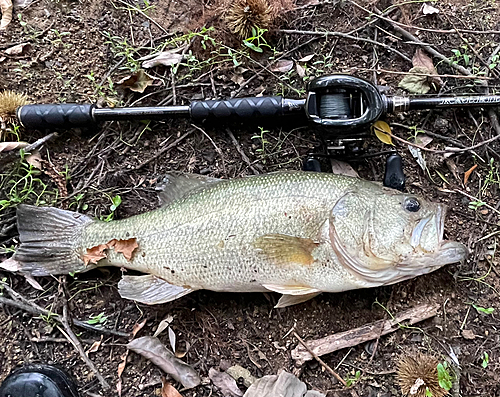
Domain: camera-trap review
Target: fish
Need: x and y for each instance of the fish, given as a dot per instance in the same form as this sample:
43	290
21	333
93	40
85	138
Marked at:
297	233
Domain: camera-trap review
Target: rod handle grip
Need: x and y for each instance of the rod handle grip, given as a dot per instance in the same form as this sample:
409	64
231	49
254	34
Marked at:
246	108
55	116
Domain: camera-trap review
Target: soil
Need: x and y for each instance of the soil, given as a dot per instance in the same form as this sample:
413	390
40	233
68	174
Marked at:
76	48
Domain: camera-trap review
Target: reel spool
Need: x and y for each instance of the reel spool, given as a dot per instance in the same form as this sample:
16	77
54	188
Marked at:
340	104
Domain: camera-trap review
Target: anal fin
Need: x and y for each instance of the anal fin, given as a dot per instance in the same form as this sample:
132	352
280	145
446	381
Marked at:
290	300
150	289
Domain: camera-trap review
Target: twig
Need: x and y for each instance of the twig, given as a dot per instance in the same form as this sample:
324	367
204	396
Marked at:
78	346
28	149
159	152
244	157
450	76
143	14
37	310
325	365
217	149
416	40
362	334
434	135
345	36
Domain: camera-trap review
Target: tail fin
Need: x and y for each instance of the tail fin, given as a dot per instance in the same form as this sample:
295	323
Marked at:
49	240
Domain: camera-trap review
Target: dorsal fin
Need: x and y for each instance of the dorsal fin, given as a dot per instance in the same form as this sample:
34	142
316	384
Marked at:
177	185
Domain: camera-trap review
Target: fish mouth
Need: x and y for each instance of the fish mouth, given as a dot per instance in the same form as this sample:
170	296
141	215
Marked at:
437	219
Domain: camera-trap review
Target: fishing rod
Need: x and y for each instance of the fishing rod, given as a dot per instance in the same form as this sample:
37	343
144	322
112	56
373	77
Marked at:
335	104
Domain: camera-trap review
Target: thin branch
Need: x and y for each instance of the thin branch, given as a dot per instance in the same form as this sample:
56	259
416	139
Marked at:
325	365
33	308
450	76
143	14
345	36
78	346
478	200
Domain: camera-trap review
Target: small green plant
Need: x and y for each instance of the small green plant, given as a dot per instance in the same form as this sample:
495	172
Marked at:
486	360
428	393
262	142
461	55
97	320
122	49
495	59
480	309
444	377
58	40
115	203
257	42
29	30
352	380
78	202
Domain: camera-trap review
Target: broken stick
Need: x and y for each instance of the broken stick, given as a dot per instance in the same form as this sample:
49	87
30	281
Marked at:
362	334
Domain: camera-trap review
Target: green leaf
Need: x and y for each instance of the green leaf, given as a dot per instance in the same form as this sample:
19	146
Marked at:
252	46
483	310
486	359
117	200
428	393
444	376
466	59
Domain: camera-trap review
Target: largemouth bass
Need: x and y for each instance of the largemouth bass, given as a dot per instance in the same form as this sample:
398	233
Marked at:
296	233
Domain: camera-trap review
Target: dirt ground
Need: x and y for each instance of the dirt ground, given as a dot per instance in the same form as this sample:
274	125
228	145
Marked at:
77	52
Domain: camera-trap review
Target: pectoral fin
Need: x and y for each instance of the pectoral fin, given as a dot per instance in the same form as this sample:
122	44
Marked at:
282	249
290	300
150	289
292	289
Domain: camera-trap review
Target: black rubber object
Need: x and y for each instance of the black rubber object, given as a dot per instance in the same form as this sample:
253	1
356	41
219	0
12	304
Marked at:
38	380
394	176
65	115
237	108
311	164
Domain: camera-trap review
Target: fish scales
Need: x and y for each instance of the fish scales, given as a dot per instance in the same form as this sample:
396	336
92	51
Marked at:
205	240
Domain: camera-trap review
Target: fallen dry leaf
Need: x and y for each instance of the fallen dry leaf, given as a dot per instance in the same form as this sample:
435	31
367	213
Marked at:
300	70
163	325
6	7
10	265
95	346
283	66
225	383
307	58
166	58
237	372
167	390
416	82
171	338
152	349
121	368
138	327
136	82
429	10
17	49
468	334
284	384
34	159
382	131
126	247
468	173
33	282
342	168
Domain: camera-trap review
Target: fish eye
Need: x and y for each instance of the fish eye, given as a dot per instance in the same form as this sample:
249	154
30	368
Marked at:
411	204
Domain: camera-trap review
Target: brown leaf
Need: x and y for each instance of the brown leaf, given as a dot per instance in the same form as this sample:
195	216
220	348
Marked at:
136	82
167	390
123	363
467	174
283	66
300	70
468	334
138	327
225	383
95	346
29	278
34	159
8	146
152	349
423	60
6	7
126	247
17	49
10	265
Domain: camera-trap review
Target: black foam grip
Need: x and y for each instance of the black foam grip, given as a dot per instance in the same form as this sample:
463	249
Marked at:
65	115
237	108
